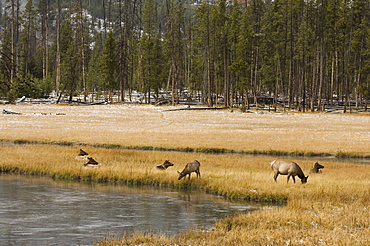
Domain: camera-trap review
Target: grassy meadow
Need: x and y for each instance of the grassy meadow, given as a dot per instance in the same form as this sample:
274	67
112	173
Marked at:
331	209
131	125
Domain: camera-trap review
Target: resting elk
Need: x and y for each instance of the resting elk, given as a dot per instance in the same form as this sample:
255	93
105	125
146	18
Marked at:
166	164
91	163
288	168
316	168
82	155
82	152
189	168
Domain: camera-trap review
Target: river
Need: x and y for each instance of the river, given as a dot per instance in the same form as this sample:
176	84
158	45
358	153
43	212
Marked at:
42	211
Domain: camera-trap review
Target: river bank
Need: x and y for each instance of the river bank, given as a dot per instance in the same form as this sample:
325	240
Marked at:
331	208
42	211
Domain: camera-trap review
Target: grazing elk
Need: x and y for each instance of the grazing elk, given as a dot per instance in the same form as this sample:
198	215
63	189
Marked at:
288	168
165	165
189	168
82	155
316	168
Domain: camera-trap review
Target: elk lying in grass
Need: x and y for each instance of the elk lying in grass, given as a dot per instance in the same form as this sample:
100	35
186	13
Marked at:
189	168
82	155
165	165
288	168
91	163
316	168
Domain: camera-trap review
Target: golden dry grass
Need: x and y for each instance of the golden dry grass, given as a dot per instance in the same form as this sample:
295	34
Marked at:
129	125
331	209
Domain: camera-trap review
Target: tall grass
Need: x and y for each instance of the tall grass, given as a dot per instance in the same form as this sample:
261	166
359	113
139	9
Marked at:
138	167
332	208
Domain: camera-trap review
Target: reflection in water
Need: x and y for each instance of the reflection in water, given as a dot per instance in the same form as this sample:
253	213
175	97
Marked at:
39	210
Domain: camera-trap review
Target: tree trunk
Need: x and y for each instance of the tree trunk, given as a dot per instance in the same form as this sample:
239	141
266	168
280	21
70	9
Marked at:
57	63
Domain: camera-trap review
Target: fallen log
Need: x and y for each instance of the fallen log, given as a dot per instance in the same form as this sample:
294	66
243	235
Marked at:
9	112
198	108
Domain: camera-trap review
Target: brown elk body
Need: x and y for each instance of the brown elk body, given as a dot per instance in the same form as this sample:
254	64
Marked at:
316	168
189	168
91	162
288	168
82	155
165	165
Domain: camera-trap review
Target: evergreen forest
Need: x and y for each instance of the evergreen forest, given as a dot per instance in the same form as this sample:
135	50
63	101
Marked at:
304	54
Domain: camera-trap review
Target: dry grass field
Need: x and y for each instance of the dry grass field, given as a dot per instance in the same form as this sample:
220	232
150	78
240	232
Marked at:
331	209
132	125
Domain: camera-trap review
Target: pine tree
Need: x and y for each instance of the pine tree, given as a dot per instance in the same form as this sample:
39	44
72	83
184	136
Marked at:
234	32
69	58
5	64
220	48
151	53
81	42
202	43
94	76
359	49
27	39
175	36
14	7
240	40
26	84
109	65
43	11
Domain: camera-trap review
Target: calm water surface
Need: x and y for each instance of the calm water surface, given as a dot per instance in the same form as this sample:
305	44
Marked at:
39	211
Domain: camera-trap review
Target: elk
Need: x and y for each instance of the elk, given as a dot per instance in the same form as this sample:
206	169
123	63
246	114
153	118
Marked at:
91	163
316	168
82	155
189	168
82	152
288	168
165	165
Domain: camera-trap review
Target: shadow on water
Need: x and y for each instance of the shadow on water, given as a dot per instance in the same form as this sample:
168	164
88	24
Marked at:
43	211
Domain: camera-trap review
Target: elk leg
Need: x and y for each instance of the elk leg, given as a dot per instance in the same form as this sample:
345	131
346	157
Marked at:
288	178
275	176
198	174
293	178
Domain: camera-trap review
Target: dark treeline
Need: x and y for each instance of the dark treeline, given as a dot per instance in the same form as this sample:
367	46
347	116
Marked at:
301	53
